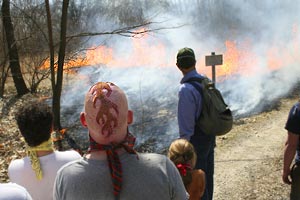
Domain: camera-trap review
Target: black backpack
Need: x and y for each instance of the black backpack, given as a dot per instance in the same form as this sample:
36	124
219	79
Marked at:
216	117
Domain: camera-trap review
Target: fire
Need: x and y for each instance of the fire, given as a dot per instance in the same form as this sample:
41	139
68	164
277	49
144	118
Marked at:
58	135
239	60
236	60
93	56
280	56
141	51
238	57
274	58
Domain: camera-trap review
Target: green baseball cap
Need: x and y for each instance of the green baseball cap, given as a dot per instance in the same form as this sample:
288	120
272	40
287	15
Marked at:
185	53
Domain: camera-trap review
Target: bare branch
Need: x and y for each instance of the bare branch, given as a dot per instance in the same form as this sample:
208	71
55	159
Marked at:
126	31
33	20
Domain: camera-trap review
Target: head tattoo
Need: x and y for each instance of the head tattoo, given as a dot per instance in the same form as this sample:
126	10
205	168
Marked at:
106	113
101	91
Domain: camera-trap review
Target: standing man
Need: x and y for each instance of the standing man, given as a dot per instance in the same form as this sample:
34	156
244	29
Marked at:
291	175
112	169
189	109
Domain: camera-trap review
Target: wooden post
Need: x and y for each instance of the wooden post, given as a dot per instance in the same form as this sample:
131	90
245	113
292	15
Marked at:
212	61
213	70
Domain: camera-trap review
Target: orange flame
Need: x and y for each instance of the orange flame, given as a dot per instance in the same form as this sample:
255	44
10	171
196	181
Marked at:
143	52
280	56
238	58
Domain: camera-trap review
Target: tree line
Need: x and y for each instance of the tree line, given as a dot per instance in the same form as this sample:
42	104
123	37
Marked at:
33	31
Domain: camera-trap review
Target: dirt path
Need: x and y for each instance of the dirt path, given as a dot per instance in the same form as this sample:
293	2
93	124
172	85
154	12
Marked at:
248	160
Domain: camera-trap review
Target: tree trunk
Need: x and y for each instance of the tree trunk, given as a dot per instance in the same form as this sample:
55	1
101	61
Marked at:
50	44
4	69
14	64
3	77
60	66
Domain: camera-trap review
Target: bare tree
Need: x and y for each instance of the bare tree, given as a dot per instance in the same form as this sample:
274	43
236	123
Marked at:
57	79
3	75
34	74
14	64
3	65
31	32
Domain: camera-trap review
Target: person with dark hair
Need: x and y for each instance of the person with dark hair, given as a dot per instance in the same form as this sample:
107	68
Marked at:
13	191
36	172
189	110
183	155
291	173
112	169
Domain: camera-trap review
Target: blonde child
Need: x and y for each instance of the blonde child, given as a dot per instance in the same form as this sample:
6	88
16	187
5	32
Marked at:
183	155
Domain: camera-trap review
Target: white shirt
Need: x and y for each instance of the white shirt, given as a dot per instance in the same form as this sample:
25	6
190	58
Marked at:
20	172
12	191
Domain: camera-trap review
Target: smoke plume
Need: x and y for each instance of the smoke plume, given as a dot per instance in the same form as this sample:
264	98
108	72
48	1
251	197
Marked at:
262	66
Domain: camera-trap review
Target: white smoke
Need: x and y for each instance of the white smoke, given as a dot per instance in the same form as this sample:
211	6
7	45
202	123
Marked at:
152	89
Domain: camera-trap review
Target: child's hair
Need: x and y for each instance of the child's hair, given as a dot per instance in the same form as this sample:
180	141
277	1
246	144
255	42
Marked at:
183	155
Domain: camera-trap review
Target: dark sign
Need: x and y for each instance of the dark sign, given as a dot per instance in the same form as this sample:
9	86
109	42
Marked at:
213	60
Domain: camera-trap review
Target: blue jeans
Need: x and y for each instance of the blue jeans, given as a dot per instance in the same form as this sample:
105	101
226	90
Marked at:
204	146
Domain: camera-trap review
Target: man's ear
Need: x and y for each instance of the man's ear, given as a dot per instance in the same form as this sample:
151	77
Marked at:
129	117
82	119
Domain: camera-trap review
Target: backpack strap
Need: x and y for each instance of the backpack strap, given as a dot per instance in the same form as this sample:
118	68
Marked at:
194	81
197	86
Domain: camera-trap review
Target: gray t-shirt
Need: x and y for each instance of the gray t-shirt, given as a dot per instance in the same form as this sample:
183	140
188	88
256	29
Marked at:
146	176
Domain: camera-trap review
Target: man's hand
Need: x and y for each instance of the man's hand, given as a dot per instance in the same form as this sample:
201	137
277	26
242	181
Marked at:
286	178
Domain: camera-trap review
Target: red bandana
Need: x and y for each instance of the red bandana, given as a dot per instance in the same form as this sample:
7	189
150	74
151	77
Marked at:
114	163
182	168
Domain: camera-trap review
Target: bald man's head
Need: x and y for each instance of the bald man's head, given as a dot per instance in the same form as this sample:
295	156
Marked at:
106	113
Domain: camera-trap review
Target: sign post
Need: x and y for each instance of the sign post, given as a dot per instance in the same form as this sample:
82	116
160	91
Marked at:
212	61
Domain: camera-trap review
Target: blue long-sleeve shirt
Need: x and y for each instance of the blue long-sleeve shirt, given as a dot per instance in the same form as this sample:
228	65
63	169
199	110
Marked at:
293	125
189	106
